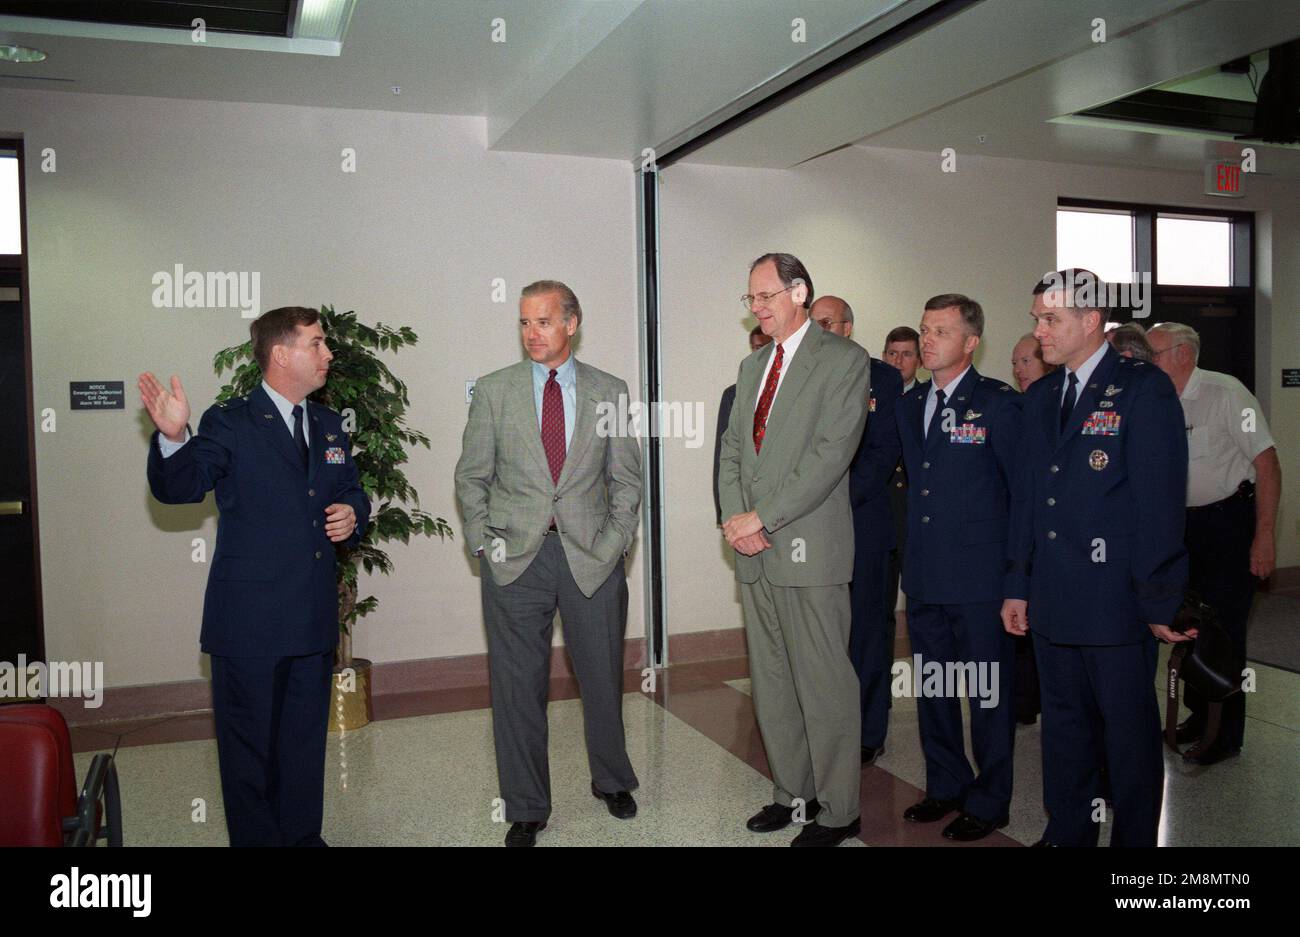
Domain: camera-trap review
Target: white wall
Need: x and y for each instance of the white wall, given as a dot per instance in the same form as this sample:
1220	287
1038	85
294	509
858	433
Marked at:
414	237
886	229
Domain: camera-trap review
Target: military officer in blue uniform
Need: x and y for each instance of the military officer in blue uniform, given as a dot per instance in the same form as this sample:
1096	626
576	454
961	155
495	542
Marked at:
287	492
1097	567
871	633
959	433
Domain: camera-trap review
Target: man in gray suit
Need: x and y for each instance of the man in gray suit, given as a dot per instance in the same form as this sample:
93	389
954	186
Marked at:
801	405
550	506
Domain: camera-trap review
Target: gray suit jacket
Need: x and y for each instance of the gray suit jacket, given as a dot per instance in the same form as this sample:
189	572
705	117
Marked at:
504	488
799	484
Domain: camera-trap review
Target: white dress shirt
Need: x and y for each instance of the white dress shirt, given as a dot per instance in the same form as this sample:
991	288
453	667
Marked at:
1226	430
788	348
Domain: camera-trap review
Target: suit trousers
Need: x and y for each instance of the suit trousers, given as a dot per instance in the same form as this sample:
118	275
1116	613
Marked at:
871	641
1099	704
806	694
969	633
520	619
1218	550
272	714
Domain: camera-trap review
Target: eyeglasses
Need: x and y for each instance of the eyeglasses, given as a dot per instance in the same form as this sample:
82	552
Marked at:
1157	354
762	299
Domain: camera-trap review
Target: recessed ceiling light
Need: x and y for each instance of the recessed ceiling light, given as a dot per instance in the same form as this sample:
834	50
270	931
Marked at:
21	54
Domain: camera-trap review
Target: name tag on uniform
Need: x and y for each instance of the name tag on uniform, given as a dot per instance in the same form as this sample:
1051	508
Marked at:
969	433
1102	423
334	455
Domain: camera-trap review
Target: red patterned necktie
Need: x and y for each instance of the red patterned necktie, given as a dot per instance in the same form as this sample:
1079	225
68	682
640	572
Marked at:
765	401
553	427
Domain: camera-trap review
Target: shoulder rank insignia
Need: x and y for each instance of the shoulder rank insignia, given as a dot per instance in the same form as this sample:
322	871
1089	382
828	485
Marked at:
972	415
1111	390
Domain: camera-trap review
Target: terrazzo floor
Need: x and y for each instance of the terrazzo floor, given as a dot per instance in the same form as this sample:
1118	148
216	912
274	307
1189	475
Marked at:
426	775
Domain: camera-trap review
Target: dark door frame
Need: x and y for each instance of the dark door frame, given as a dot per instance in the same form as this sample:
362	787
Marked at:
13	271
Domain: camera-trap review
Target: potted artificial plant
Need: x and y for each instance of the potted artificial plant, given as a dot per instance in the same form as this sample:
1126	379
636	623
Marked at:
373	403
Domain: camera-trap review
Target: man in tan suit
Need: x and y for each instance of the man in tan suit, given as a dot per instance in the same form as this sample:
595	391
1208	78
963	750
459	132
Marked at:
801	405
550	500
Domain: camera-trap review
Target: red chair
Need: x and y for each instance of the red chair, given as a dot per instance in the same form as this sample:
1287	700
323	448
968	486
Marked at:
39	802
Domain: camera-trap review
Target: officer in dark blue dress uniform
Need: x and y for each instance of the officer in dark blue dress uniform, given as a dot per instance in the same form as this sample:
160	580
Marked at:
287	491
871	635
959	434
1097	568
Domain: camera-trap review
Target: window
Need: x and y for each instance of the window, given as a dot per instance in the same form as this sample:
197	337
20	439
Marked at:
1194	251
11	241
1097	240
1194	266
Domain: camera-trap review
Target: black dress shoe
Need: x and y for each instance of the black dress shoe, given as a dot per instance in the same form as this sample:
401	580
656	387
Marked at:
929	810
814	834
1209	756
1041	843
870	754
775	817
967	828
1189	730
524	833
620	804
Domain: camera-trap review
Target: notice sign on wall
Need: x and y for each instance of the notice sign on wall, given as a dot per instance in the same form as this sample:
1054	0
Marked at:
97	395
1291	377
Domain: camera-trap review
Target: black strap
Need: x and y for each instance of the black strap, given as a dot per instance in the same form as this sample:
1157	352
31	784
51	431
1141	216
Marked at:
1213	711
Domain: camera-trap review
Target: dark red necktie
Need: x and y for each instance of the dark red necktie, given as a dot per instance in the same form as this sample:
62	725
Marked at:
553	427
765	401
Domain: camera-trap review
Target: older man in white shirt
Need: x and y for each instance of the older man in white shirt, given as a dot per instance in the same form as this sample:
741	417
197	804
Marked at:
1234	485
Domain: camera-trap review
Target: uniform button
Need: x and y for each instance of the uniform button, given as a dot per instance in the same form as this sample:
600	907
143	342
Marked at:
925	465
925	492
1051	502
311	492
926	519
898	484
318	554
1051	535
314	523
1055	469
556	498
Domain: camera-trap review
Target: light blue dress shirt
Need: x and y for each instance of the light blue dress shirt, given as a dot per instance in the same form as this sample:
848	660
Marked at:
932	398
566	375
1084	372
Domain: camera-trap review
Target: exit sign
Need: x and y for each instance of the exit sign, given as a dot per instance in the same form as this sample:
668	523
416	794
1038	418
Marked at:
1223	179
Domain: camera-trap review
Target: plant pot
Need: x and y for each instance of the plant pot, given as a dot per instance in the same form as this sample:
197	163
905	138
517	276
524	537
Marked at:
350	706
